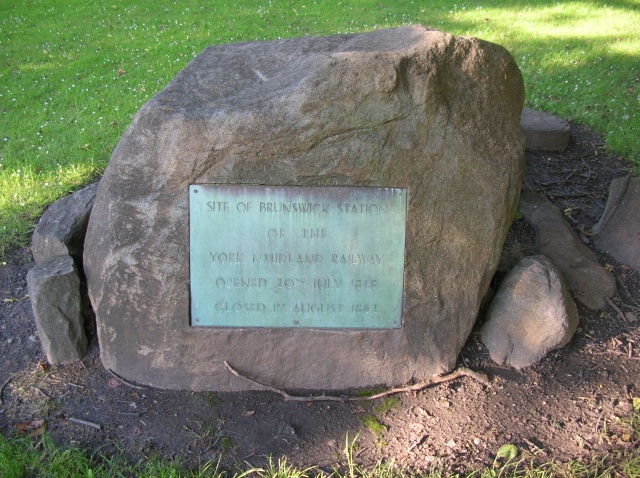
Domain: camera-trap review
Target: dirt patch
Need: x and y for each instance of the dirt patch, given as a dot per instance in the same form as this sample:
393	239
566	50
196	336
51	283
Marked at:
576	403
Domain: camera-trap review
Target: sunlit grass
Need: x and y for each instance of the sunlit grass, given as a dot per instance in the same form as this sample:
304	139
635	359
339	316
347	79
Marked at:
27	189
580	60
40	457
25	457
73	74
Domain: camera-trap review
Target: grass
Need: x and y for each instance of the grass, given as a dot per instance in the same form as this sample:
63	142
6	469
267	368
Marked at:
73	73
25	457
386	405
372	423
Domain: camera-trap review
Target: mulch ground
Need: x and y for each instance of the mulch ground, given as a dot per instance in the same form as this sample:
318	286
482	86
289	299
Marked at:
575	404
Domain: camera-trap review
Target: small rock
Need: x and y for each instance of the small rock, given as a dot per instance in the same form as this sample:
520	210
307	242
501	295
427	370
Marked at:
618	231
54	289
62	227
625	407
590	283
532	314
544	132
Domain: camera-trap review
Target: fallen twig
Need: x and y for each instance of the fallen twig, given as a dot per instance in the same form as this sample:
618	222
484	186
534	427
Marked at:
589	168
41	391
618	311
626	289
534	447
117	377
461	372
132	414
2	388
84	422
598	422
616	352
416	443
571	196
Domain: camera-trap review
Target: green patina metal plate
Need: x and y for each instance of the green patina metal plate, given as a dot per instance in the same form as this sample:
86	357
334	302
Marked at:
309	257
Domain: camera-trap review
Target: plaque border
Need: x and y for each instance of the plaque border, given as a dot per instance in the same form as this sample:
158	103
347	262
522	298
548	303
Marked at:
332	192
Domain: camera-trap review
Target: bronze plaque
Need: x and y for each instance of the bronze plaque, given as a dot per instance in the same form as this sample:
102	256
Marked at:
281	256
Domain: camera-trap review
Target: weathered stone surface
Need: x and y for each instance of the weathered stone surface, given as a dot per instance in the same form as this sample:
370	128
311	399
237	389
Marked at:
590	283
405	107
62	227
618	231
544	132
54	289
531	315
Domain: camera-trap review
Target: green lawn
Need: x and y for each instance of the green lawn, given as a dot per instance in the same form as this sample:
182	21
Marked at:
73	73
39	457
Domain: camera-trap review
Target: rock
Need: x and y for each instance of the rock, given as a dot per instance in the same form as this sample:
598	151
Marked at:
590	283
406	107
618	231
62	227
531	315
54	289
544	132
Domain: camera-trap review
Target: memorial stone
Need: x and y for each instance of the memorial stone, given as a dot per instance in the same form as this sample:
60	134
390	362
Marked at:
319	212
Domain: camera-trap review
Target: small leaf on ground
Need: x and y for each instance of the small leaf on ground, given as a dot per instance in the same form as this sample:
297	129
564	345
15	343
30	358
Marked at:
508	452
34	427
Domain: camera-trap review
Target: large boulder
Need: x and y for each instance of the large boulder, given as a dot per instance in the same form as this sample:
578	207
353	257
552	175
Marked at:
408	108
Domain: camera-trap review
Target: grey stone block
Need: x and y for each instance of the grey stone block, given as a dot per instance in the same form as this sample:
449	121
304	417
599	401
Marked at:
62	227
544	132
54	289
589	282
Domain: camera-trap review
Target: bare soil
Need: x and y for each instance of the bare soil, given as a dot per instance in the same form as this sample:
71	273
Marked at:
574	404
